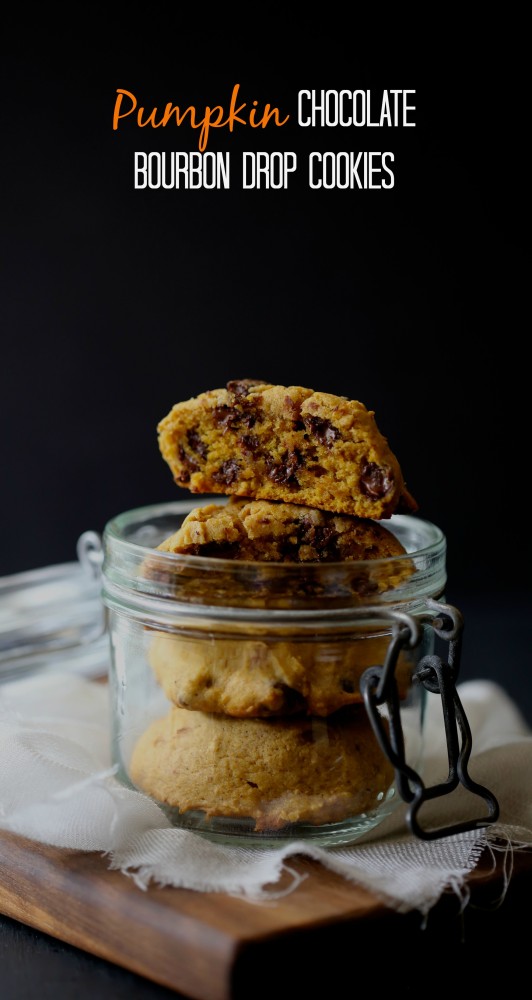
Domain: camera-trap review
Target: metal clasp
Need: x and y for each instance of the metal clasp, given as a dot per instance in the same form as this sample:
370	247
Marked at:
89	551
379	687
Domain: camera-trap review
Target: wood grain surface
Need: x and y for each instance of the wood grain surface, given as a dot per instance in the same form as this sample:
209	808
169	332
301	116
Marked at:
212	946
183	939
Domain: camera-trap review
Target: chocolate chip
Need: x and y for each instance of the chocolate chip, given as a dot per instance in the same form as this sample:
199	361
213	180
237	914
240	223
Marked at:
196	443
292	699
284	472
320	536
251	784
293	408
229	417
250	414
241	386
225	417
190	465
375	481
288	550
322	429
227	473
347	685
249	442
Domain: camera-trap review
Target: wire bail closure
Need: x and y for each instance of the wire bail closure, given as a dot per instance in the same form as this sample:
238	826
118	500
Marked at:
379	687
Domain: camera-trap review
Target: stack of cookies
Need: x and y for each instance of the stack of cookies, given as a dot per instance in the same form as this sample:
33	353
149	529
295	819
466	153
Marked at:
270	729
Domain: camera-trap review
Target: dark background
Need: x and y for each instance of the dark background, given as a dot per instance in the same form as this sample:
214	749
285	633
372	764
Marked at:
117	303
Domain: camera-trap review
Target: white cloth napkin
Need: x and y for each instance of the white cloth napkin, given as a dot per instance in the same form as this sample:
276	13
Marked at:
58	786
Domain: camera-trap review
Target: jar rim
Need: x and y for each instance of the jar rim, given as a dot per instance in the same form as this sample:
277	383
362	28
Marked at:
134	569
114	529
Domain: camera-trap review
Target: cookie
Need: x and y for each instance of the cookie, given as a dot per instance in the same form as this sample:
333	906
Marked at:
328	560
287	443
274	772
250	677
269	531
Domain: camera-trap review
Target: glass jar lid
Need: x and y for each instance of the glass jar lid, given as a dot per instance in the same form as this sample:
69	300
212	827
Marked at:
52	618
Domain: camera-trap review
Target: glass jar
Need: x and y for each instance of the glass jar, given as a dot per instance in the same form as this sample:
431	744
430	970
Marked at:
236	686
51	620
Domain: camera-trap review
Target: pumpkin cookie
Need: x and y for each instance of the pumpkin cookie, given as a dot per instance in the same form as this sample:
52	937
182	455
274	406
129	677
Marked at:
286	443
269	531
275	772
250	677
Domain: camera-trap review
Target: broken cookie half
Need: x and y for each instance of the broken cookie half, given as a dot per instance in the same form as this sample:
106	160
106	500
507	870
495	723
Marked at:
285	443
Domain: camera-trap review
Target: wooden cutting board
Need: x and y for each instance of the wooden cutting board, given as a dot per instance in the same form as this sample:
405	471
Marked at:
186	940
207	946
